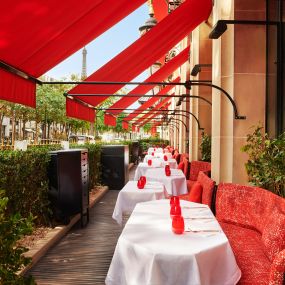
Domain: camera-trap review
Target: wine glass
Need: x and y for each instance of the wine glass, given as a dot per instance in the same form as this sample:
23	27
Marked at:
178	225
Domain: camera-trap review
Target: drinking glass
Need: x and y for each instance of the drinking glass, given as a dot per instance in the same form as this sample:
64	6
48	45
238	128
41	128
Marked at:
175	210
140	184
175	200
149	162
167	172
143	179
178	225
165	158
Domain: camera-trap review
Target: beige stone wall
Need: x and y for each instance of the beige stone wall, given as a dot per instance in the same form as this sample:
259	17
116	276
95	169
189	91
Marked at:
239	60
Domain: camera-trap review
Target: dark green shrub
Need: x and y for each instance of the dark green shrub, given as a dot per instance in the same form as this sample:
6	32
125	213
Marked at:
12	228
266	164
205	147
146	143
23	176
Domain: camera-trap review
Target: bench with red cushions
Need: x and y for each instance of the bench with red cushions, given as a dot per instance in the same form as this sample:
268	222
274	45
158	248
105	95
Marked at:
254	221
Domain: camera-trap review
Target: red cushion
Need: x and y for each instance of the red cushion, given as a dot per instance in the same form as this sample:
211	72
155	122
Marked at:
273	235
181	165
196	193
186	166
196	167
250	254
208	188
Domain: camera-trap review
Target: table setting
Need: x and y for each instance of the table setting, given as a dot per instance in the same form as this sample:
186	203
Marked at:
175	182
167	248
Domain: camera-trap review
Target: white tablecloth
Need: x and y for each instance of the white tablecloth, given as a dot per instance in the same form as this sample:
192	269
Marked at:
130	195
149	156
155	150
161	155
174	184
172	163
158	161
149	253
143	167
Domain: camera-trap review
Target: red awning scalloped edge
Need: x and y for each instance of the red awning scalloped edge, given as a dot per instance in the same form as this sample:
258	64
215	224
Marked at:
73	109
110	120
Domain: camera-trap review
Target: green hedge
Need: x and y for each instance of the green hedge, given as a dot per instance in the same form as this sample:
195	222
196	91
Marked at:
146	143
23	176
94	159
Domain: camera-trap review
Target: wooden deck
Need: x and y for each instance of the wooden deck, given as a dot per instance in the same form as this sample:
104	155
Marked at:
83	256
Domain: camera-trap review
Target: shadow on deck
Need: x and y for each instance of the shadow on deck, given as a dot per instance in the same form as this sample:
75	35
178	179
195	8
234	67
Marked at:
83	256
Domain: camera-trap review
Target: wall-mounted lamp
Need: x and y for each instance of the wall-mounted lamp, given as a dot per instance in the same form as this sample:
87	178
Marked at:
221	26
197	68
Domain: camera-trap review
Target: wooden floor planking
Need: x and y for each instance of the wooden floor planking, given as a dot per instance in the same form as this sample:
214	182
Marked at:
83	256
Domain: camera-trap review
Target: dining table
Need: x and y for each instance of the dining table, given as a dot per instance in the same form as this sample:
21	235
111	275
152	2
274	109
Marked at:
155	150
148	252
130	195
175	184
160	160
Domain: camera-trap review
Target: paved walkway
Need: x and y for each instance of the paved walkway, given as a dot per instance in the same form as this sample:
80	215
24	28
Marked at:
83	256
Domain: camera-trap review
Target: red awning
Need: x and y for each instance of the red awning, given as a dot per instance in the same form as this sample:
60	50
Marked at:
86	113
151	101
160	75
110	120
160	8
125	125
147	117
146	50
36	35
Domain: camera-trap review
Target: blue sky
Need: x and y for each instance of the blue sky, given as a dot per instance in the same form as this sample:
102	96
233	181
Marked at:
105	47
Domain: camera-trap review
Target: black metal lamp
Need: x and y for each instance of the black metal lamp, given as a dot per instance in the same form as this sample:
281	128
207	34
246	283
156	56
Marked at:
197	68
221	26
